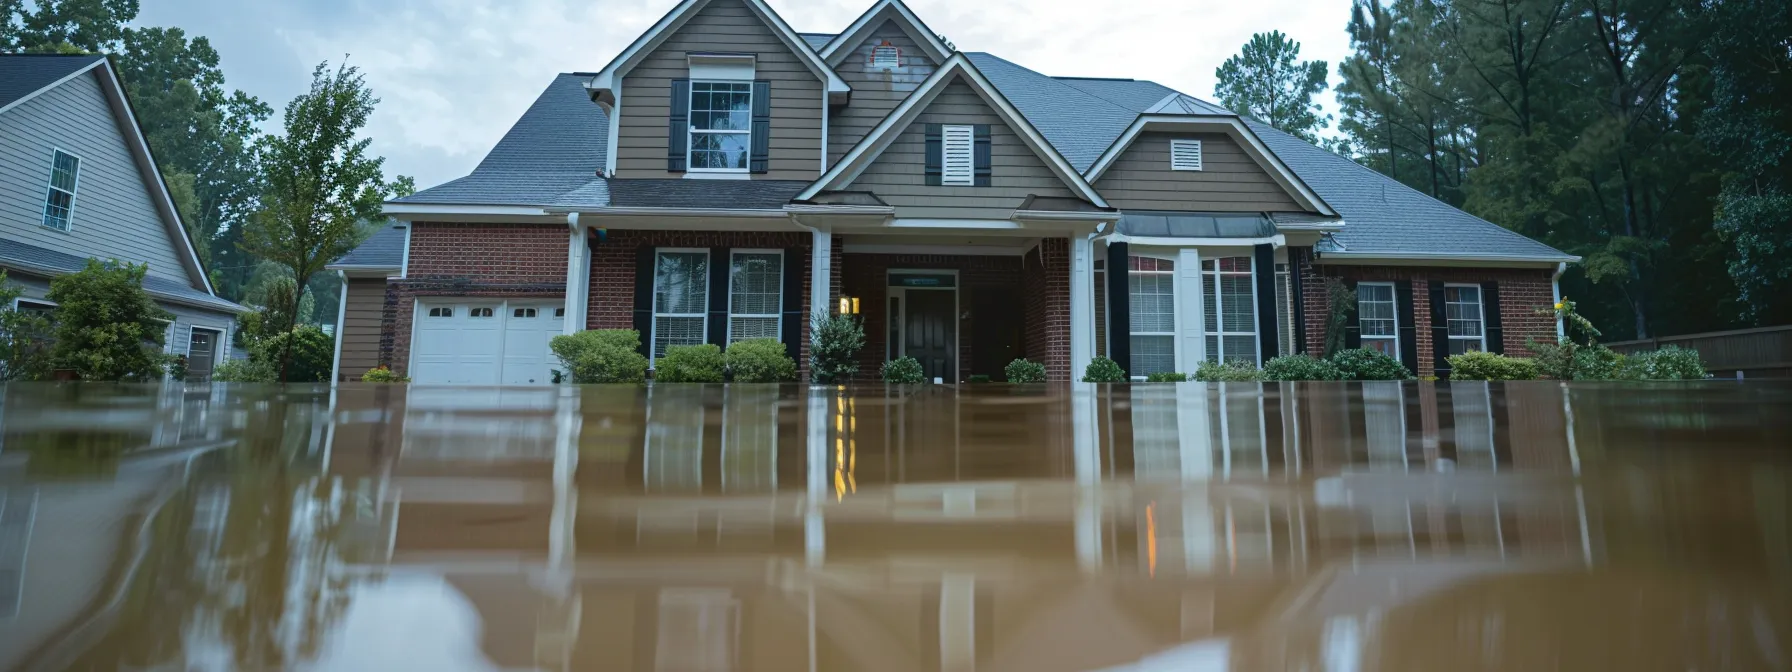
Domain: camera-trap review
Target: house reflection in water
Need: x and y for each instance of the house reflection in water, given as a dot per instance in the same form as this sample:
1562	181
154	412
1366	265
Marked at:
1145	527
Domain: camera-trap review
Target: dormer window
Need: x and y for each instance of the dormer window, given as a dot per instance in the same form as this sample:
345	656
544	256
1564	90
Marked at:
721	125
1185	154
886	56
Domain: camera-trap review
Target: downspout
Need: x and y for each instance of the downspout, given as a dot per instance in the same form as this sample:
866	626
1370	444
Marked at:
1555	290
341	313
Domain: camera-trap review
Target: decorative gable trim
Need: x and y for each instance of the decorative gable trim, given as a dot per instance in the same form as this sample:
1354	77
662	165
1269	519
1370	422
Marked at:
1230	125
874	143
604	83
849	39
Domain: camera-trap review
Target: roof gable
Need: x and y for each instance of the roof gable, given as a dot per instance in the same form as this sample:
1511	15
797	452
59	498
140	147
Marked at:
606	80
1230	125
881	11
24	76
954	68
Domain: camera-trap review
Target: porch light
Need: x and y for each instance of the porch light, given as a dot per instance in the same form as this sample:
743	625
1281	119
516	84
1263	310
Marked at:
849	305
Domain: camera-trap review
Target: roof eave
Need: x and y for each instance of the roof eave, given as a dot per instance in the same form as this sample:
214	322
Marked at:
1444	258
602	86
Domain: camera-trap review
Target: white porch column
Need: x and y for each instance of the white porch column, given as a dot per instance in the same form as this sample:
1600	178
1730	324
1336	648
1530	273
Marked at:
1190	331
1082	304
821	272
578	276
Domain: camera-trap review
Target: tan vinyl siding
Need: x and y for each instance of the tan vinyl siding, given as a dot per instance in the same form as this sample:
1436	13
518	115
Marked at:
114	217
361	326
898	175
874	92
723	26
1229	181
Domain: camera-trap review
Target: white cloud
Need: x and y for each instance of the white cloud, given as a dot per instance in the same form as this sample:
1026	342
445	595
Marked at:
453	75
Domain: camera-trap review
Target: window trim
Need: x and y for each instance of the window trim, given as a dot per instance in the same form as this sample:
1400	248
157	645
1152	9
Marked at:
1199	161
1175	336
872	59
1480	314
691	131
50	188
969	178
1219	306
36	304
653	324
779	316
217	342
1394	301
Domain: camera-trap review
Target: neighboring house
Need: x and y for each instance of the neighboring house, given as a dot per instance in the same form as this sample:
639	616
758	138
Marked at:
77	181
725	177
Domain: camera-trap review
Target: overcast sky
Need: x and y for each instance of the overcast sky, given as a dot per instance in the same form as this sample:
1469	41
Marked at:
453	75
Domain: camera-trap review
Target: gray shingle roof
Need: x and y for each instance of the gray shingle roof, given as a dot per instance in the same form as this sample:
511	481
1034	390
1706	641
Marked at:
1196	224
1081	125
818	40
717	194
24	74
383	249
51	262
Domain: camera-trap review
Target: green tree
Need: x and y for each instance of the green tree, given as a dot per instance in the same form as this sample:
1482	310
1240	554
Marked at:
1266	81
91	26
24	338
107	326
320	181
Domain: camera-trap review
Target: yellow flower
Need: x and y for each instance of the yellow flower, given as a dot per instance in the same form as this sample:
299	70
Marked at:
1558	305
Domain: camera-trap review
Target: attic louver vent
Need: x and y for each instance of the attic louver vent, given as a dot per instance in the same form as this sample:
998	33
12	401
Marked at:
958	156
1185	155
886	55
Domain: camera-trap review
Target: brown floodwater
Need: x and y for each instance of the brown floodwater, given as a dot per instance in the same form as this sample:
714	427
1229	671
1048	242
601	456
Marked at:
1338	527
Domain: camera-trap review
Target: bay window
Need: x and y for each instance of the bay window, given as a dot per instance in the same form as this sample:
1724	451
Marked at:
1152	291
1377	322
755	294
1463	316
680	297
1230	309
721	126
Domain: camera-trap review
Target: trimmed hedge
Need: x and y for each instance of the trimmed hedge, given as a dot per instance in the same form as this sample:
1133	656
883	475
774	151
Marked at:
1669	363
381	374
702	363
759	360
1366	364
1489	366
1300	367
1104	370
1232	371
903	371
602	356
1023	371
1167	377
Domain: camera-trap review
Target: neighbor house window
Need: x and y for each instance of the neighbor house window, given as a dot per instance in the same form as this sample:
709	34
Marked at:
1230	310
721	125
680	297
755	295
1462	313
59	201
886	55
1152	292
958	157
1376	319
1185	155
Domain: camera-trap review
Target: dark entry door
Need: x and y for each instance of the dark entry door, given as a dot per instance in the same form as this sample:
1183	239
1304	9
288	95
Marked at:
995	330
931	333
199	356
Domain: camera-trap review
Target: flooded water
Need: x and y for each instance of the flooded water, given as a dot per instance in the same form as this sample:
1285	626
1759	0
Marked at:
1341	527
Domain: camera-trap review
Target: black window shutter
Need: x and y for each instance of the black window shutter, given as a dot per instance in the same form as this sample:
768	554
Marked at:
720	268
791	328
760	158
1119	282
980	133
1490	306
1409	333
678	126
1268	311
1353	328
1440	332
644	262
1297	288
933	155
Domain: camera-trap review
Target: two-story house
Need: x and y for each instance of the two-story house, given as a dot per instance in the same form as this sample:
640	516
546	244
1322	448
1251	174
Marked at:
725	177
77	181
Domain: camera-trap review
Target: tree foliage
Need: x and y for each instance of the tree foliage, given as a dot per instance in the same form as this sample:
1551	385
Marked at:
107	326
24	338
1267	82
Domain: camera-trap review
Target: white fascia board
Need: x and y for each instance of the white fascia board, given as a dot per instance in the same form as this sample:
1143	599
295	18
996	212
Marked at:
1232	126
874	143
917	30
608	78
961	224
802	209
1438	259
426	211
1062	216
1312	227
1167	241
683	212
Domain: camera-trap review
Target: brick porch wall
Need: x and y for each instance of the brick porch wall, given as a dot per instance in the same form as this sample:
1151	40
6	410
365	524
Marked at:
482	260
1045	280
866	277
1522	292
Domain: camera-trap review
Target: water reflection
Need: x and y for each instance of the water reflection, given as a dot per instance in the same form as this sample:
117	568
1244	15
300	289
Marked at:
1151	527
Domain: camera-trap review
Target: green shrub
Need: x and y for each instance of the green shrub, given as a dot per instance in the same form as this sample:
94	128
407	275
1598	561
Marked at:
381	374
602	356
1232	371
1023	371
1300	367
1669	363
834	345
701	363
1167	377
1104	370
977	379
313	352
107	326
24	339
177	368
759	360
903	371
1366	364
1489	366
243	371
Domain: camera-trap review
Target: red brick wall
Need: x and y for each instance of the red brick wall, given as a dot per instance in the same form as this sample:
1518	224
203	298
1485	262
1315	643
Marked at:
1522	292
866	277
1045	278
492	260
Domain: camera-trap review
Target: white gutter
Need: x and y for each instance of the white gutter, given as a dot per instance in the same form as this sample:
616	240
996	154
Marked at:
1497	258
684	212
1313	227
411	210
806	209
1065	216
1277	240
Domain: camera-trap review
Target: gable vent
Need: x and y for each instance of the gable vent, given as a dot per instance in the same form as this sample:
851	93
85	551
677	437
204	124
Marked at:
886	55
957	156
1185	155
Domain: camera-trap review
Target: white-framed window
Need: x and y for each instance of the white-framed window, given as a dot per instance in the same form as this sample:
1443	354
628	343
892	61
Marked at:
524	312
442	311
886	56
59	199
958	155
479	312
1230	307
1377	318
721	126
1151	292
33	306
755	294
559	312
1185	154
1463	316
680	298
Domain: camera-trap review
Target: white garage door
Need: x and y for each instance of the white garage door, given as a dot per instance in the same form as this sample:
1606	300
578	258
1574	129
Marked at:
484	342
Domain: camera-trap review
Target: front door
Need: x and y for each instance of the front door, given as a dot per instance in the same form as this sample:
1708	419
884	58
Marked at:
931	332
201	351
